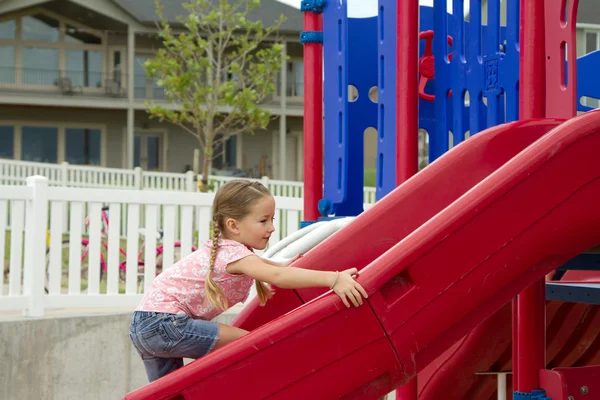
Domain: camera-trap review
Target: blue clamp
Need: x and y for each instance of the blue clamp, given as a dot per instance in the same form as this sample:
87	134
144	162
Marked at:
535	395
315	6
311	37
326	207
304	224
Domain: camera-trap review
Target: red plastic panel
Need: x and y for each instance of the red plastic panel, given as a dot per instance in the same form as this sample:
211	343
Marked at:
533	214
405	209
571	383
322	347
561	58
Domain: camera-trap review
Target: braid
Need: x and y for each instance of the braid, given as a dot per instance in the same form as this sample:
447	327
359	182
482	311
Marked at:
214	293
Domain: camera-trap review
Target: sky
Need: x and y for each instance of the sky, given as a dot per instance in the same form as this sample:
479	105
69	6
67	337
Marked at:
365	8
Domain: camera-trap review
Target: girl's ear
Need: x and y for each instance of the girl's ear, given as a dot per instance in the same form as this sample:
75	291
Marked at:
232	226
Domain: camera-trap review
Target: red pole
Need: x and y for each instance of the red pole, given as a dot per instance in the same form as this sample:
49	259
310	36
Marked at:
531	303
407	114
313	119
407	104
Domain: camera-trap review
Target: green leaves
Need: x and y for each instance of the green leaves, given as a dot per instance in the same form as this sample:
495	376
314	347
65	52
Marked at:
217	67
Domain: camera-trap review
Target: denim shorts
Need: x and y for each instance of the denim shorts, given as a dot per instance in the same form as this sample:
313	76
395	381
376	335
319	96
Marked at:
164	340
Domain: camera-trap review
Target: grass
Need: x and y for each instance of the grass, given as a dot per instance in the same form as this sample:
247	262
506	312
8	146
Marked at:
65	259
370	177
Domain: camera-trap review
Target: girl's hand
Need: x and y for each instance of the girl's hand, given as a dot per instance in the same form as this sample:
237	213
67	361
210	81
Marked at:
346	287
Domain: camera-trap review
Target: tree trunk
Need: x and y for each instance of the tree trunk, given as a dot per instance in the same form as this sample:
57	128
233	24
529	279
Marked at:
206	166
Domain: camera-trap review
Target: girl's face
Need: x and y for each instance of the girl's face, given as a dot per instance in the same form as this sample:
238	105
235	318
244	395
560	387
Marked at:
256	228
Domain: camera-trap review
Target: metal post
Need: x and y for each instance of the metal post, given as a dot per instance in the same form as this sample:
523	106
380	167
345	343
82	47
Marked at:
407	114
313	118
531	303
407	72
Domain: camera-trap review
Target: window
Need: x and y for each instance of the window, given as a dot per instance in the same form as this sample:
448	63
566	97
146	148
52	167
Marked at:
7	64
43	48
82	146
39	144
40	65
80	36
591	42
84	67
8	30
7	141
40	28
295	79
145	87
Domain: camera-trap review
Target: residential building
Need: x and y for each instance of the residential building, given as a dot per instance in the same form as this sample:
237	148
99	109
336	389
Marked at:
73	87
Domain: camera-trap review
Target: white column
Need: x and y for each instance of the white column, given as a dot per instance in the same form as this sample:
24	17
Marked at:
130	94
274	156
282	117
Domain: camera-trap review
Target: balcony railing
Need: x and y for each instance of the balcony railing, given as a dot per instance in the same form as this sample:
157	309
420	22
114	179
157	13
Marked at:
51	81
95	84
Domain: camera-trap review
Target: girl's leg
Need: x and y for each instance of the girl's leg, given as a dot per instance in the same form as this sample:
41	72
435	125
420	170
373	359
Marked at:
157	367
228	334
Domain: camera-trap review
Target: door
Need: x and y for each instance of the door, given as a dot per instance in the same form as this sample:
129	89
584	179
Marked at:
147	151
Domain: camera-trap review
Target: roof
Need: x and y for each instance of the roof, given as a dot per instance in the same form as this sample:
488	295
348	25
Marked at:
268	12
588	12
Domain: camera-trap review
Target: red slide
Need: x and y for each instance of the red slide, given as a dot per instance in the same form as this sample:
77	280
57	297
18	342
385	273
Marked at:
432	286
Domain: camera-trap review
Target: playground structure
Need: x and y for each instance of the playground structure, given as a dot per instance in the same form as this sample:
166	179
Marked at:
443	252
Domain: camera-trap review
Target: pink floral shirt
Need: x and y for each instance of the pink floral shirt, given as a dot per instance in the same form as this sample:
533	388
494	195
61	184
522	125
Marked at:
180	288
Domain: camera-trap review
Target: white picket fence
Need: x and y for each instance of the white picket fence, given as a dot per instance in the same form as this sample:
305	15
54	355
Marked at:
46	269
16	172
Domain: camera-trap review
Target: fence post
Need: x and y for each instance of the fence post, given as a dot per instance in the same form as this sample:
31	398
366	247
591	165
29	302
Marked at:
36	220
190	185
137	178
265	181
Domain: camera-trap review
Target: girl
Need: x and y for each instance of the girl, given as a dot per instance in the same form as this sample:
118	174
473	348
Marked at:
174	319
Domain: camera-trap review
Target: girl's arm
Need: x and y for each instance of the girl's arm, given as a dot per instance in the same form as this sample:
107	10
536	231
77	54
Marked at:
342	283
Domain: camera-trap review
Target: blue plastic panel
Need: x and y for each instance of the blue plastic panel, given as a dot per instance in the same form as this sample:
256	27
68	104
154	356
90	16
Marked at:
335	94
386	112
588	84
483	64
479	66
351	59
362	112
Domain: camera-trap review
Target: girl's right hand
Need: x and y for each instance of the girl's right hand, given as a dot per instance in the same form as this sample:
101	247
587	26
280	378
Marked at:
347	288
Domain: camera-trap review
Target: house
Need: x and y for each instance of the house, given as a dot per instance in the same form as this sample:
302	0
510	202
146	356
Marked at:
72	88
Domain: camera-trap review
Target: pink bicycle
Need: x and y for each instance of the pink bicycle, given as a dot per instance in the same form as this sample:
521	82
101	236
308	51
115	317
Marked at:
103	252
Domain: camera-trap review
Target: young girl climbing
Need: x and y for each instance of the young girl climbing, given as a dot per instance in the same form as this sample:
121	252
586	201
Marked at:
174	319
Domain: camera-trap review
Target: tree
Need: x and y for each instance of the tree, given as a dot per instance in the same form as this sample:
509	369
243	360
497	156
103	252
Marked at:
216	71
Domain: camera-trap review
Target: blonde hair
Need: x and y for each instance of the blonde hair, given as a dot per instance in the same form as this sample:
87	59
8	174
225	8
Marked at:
233	200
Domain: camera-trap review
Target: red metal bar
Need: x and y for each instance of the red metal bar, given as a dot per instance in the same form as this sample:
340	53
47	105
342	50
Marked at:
313	119
531	313
407	104
407	114
515	344
531	336
408	391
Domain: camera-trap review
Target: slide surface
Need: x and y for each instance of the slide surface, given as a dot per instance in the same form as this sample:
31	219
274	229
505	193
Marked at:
426	291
